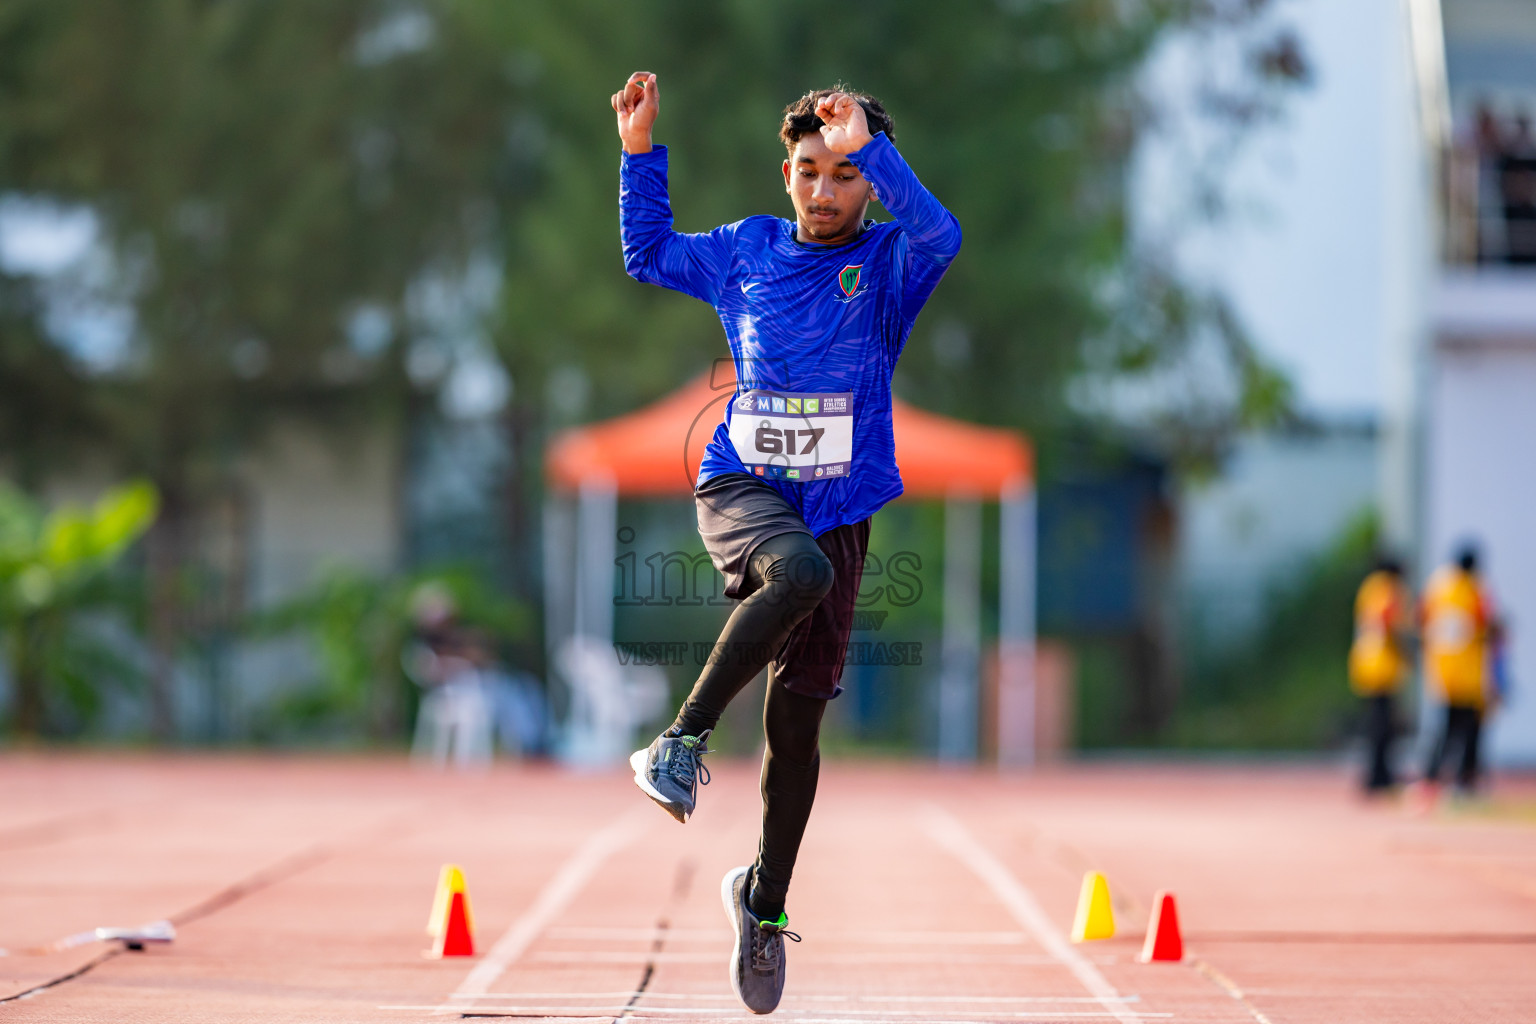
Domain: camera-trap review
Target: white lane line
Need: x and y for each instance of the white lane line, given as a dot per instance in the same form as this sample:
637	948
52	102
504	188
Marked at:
935	1018
893	938
1229	986
939	997
946	998
947	831
636	956
734	1012
645	935
552	899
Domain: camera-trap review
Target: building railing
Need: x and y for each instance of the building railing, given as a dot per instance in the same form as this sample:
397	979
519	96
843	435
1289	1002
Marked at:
1490	201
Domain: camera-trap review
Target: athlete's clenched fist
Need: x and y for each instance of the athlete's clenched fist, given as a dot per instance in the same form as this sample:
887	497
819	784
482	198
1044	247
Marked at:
637	105
846	129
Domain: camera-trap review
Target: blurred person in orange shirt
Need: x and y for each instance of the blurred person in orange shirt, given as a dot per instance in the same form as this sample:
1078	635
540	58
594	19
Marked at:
1461	636
1379	663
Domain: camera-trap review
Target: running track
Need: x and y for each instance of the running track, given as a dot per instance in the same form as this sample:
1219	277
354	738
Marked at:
301	888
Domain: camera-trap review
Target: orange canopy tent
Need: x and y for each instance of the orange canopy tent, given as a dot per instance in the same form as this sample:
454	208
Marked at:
656	450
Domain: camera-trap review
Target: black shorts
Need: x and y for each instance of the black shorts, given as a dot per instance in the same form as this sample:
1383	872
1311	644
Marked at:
738	512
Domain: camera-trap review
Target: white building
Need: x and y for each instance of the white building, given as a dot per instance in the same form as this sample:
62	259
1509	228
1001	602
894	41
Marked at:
1281	498
1478	386
1383	270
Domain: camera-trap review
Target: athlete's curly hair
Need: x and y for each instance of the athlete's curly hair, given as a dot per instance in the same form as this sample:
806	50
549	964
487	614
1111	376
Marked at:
800	116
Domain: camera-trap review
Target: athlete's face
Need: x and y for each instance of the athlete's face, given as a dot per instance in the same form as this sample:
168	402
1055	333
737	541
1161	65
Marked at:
829	193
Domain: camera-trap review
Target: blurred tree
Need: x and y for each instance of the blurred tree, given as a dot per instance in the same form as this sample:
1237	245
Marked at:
43	410
51	564
360	628
1287	687
270	178
276	183
1020	115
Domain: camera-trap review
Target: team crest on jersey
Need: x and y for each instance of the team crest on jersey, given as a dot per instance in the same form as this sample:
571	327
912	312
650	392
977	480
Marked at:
848	279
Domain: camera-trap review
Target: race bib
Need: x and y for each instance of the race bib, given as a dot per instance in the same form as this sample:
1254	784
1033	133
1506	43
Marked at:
1452	629
786	435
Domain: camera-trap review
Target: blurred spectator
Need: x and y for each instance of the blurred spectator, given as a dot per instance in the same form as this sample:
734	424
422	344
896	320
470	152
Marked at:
1460	632
1378	663
1517	191
467	698
1486	128
522	715
1492	200
610	702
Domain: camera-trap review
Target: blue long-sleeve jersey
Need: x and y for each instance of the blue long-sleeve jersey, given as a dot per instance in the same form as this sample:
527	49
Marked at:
804	319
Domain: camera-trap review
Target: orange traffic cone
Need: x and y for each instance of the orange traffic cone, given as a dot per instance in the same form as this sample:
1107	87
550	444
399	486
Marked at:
1163	940
451	926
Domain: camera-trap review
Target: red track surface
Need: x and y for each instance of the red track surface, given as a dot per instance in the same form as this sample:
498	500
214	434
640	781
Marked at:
301	889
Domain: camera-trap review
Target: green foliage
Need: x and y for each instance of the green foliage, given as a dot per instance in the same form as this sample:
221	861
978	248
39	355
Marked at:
265	176
1100	694
358	626
268	174
1287	688
1202	379
1008	113
261	171
1019	116
52	569
41	415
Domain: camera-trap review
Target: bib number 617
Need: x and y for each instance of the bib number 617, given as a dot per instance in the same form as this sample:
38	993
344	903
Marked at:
772	441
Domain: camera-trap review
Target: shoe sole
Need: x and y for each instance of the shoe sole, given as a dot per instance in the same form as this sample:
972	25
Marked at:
637	762
733	913
731	902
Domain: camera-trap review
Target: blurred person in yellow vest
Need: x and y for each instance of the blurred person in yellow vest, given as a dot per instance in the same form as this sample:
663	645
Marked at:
1461	636
1379	663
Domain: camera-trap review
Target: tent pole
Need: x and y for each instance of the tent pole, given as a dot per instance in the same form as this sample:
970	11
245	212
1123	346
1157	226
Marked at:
960	658
559	577
596	525
1017	698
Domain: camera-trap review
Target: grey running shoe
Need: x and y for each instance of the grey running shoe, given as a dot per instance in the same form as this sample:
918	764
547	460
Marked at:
669	771
757	959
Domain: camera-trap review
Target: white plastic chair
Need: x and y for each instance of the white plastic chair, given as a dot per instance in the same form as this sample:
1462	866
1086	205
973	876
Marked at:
609	703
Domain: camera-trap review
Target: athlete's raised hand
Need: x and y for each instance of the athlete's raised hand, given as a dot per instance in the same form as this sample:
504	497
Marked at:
637	105
846	130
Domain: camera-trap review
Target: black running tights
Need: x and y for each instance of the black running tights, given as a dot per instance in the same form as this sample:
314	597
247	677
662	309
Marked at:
789	575
791	764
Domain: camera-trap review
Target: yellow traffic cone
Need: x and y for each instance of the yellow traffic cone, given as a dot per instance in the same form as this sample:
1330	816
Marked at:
1095	919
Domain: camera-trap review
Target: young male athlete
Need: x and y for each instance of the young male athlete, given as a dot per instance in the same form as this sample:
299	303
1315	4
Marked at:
816	311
